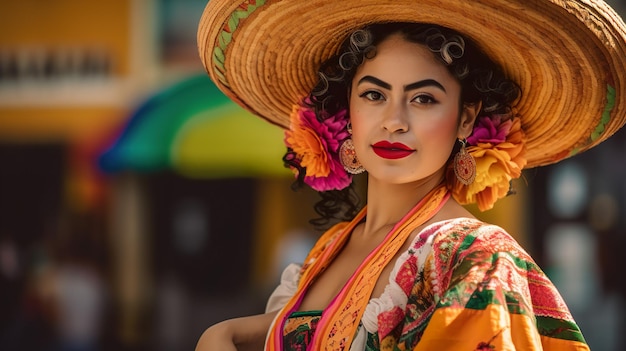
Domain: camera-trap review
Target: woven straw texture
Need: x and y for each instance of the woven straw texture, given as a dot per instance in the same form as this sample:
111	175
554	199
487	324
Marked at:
569	57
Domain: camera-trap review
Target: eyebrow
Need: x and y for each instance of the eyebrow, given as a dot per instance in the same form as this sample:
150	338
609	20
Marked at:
412	86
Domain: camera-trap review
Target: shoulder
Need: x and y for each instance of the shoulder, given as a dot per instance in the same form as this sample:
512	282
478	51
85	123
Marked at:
445	239
459	235
473	242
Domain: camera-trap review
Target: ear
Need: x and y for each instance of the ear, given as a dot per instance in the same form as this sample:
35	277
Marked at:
468	117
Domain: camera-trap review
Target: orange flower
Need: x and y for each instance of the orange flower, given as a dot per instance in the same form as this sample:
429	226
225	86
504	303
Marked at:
496	166
308	145
316	145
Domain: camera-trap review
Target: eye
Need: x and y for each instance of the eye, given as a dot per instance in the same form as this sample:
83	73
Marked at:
372	95
424	99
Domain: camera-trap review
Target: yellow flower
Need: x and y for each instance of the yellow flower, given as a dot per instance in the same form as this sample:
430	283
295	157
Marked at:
496	166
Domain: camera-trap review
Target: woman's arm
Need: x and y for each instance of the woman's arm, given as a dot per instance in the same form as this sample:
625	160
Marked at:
238	334
249	333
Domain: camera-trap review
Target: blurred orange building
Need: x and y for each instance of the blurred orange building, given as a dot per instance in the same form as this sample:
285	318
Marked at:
72	73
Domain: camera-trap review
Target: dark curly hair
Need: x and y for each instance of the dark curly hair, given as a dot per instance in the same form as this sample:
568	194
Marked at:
481	80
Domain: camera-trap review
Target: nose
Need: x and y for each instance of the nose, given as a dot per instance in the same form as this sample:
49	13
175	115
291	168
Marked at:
395	119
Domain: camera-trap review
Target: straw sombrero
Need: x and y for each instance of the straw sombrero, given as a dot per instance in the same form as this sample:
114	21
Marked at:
569	57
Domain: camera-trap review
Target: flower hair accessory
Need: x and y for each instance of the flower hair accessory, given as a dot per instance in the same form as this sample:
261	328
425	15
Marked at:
498	145
314	146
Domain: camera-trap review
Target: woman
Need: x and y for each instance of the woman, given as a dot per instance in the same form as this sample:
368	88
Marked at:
436	123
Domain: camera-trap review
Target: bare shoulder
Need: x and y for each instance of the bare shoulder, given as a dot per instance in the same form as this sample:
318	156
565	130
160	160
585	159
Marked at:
452	210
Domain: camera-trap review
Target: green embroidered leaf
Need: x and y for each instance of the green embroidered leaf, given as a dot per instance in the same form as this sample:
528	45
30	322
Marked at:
220	76
606	115
225	39
218	55
233	21
604	120
240	14
226	36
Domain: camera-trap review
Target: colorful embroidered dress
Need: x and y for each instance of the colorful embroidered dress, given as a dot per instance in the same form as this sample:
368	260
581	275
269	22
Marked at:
299	330
462	285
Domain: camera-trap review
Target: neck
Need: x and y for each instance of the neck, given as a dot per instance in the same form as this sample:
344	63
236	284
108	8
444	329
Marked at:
388	203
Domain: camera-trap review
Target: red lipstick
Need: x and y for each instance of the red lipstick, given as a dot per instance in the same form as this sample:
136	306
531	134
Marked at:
391	151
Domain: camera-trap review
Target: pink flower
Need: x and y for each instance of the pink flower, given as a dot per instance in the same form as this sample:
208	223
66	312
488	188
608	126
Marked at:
316	144
490	130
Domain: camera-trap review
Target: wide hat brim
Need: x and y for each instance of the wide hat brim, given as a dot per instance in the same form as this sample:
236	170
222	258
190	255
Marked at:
569	57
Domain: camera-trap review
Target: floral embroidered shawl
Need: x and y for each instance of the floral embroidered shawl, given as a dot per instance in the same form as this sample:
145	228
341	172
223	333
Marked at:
462	285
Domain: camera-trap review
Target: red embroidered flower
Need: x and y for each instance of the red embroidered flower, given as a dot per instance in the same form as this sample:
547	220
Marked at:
406	275
388	320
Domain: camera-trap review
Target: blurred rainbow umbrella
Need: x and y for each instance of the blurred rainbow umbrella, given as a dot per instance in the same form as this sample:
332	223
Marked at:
195	130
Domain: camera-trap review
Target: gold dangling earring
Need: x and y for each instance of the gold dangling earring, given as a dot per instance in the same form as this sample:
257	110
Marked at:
464	165
347	155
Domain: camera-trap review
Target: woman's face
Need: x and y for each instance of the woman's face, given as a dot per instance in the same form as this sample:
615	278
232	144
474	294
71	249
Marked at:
404	110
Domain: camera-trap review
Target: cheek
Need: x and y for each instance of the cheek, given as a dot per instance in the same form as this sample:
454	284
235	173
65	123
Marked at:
445	127
438	138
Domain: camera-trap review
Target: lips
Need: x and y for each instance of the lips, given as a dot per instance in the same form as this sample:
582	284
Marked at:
392	151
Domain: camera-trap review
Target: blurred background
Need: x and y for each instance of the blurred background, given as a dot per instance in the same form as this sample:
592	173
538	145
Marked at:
138	205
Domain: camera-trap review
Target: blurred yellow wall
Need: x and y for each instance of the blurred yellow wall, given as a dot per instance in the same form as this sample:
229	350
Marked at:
68	23
30	111
73	124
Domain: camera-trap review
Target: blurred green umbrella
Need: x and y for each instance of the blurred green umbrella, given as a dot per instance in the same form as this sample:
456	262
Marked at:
194	129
